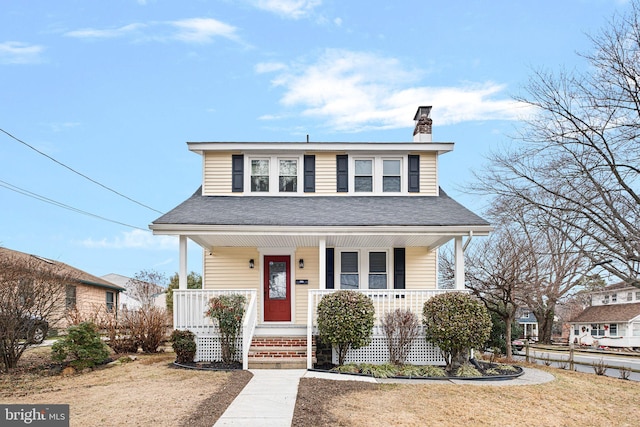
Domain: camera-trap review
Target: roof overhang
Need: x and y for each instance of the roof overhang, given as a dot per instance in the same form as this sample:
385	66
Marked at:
300	147
209	236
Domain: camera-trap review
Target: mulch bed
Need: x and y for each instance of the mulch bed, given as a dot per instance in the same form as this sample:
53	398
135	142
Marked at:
310	410
208	412
210	366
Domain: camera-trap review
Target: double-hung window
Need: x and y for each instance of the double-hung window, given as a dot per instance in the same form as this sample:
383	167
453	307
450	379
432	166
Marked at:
260	175
283	172
391	176
349	276
597	329
613	330
377	175
377	270
363	178
364	269
288	176
110	302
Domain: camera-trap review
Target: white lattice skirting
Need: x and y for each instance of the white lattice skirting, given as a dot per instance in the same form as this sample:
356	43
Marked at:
209	349
377	353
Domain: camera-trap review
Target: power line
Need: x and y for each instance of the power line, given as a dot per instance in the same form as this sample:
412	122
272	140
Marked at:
80	173
62	205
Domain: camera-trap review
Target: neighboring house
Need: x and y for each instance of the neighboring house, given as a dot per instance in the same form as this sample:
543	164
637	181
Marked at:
529	323
134	289
85	292
288	222
612	320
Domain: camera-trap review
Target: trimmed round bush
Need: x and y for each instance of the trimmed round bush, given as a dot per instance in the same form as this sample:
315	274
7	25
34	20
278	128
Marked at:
345	320
456	322
184	345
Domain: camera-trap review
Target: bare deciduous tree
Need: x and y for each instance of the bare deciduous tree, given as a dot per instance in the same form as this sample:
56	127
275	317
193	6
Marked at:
31	289
145	286
579	159
498	270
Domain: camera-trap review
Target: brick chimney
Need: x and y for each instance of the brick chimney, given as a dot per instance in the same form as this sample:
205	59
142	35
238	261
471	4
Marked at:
422	132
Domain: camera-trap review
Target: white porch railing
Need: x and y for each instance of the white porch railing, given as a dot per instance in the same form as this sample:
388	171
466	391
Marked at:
189	306
384	301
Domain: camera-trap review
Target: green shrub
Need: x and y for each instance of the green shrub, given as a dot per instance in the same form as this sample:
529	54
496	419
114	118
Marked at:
228	311
184	345
456	323
345	319
466	370
432	371
83	345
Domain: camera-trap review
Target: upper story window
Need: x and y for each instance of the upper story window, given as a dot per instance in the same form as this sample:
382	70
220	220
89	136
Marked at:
525	314
377	175
614	297
288	176
260	175
629	296
391	176
363	178
265	170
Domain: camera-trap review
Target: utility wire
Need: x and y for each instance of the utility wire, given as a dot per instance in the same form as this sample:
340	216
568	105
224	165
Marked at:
61	205
80	173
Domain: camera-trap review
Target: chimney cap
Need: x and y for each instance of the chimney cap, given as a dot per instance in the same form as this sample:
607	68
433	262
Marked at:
422	110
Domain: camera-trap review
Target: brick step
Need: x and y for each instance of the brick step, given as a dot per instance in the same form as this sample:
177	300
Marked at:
277	363
273	351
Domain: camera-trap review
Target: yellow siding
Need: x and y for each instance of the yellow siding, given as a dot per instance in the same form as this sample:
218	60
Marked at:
228	268
310	273
420	268
326	173
217	174
428	174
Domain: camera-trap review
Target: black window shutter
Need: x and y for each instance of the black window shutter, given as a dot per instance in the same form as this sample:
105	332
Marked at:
329	268
398	268
414	173
342	173
309	173
237	173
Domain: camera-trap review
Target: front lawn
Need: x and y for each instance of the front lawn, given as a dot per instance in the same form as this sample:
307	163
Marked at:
573	399
147	391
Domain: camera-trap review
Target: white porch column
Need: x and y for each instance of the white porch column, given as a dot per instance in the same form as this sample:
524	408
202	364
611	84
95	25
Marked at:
459	264
182	272
322	263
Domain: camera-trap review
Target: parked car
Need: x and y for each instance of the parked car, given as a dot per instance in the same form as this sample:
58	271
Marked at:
36	329
518	344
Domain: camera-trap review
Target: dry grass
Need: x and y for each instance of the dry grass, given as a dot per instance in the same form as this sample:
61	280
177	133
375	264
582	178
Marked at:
144	392
573	399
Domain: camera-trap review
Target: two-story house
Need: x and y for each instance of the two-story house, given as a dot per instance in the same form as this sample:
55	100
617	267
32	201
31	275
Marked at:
287	222
612	320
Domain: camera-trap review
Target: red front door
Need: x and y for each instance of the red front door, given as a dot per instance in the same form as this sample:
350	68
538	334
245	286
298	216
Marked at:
277	289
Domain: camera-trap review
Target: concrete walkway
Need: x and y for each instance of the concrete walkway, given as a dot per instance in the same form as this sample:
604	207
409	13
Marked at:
267	400
270	397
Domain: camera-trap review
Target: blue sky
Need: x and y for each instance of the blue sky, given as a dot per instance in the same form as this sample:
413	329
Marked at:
114	89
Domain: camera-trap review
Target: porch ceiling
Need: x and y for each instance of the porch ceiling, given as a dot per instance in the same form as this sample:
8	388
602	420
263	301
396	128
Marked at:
344	241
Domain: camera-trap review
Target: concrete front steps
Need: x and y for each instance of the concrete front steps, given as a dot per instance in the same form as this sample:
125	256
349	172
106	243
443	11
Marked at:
278	352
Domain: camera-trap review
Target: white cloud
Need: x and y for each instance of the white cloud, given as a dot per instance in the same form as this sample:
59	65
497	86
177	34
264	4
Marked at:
193	30
13	52
294	9
356	91
136	239
202	30
269	67
93	33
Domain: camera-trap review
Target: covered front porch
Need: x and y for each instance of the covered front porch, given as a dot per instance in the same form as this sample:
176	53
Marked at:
190	305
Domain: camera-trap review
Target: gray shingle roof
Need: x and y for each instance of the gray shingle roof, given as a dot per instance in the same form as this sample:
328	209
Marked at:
321	211
608	313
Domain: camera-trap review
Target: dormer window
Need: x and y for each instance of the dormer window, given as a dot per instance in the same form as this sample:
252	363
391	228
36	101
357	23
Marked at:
267	170
363	179
377	175
391	173
288	176
260	175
